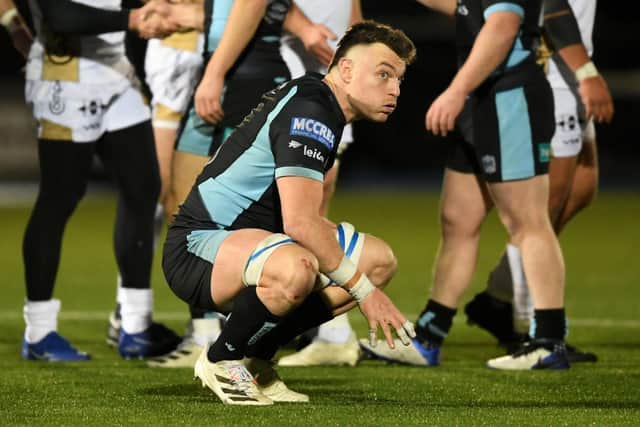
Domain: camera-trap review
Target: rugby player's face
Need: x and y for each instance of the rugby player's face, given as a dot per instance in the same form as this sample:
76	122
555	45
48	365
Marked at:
375	87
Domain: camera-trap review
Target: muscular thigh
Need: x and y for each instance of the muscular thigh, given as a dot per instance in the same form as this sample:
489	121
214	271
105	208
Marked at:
464	202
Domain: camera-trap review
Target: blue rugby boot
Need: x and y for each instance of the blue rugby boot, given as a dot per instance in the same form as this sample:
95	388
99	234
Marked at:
415	354
52	348
540	353
154	341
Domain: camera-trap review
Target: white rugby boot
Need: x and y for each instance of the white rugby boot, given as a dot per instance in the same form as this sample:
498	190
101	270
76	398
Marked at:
321	352
270	383
230	381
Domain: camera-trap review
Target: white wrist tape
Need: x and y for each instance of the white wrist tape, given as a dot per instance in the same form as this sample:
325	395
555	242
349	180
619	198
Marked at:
7	17
586	71
345	271
361	289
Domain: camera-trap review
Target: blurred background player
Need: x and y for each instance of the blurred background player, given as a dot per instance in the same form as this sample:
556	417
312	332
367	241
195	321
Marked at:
335	342
86	101
173	67
581	97
243	61
11	19
503	106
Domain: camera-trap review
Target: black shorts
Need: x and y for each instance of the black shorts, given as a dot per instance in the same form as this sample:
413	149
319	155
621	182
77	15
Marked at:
188	275
506	134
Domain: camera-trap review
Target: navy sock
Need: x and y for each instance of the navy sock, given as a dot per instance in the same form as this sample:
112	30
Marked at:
549	324
313	312
433	324
248	321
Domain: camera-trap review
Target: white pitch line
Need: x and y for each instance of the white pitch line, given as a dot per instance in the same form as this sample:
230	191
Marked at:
183	315
97	315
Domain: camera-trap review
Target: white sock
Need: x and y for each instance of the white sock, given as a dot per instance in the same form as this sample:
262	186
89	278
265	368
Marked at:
522	305
41	318
337	330
500	282
135	309
207	330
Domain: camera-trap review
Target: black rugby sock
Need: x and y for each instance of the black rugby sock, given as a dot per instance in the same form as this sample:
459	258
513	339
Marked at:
313	312
248	321
433	325
549	324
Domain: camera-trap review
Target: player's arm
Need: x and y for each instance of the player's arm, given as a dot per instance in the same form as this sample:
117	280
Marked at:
302	142
13	22
300	200
188	16
68	17
313	36
493	43
563	32
242	23
356	12
448	7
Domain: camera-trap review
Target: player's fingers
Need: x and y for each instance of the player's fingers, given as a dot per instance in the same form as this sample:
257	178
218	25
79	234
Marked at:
384	325
402	334
326	31
373	334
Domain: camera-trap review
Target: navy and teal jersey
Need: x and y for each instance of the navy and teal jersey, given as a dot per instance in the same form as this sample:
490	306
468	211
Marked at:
471	16
264	48
294	131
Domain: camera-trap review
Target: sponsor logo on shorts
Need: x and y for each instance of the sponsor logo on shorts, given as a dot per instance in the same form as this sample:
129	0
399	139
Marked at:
462	9
567	122
544	152
295	144
489	164
313	129
56	105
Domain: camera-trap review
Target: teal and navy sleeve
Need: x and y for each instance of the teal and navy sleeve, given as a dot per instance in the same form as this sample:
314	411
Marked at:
518	51
303	137
492	6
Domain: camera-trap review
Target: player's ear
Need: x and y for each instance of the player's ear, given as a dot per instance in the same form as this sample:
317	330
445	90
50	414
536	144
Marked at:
345	66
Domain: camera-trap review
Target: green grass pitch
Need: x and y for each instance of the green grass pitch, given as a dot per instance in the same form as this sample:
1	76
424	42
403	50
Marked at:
603	303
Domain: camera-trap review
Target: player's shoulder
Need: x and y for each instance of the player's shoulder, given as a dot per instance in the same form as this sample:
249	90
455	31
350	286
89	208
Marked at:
312	90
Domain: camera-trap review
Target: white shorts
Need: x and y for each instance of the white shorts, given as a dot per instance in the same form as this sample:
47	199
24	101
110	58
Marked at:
173	68
571	129
71	111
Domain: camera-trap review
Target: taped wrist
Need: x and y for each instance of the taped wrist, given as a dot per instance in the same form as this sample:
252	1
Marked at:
586	71
355	282
560	24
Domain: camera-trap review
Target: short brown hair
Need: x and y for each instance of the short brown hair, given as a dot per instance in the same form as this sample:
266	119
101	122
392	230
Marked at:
369	32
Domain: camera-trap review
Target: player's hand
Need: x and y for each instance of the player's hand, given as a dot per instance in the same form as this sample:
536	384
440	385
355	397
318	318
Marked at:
207	98
153	20
596	98
315	41
380	311
441	116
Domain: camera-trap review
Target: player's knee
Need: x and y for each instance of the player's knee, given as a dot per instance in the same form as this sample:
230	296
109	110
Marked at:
295	277
459	221
61	201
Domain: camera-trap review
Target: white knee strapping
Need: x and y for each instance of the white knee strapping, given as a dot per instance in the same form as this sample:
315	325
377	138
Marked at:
351	243
264	249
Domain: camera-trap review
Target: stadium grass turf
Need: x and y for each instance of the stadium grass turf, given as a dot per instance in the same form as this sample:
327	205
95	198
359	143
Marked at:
602	302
